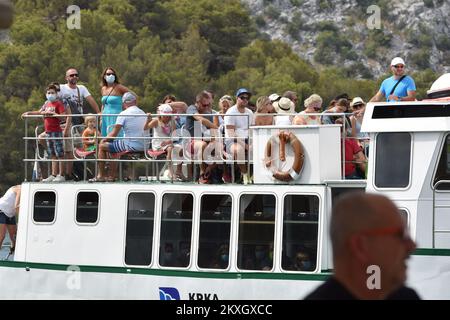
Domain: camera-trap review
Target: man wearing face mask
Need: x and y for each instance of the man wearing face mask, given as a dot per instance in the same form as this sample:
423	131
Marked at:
74	94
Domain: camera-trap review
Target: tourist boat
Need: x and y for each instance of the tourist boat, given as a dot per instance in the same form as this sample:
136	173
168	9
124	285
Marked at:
168	240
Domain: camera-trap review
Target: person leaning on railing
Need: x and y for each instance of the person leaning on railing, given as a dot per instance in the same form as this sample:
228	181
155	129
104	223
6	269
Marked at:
54	133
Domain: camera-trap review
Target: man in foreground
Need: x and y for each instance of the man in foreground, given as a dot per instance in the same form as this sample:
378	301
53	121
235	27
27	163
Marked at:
370	246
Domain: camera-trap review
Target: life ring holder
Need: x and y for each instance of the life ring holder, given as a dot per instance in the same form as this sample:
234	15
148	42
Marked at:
297	167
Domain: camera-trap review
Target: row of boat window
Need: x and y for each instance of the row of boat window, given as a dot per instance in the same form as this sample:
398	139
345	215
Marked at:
255	238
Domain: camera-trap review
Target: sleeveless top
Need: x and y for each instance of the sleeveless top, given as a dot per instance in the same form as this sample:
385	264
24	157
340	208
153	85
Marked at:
309	120
7	203
112	105
161	131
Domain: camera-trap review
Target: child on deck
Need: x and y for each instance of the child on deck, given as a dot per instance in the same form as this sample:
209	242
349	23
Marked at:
163	127
52	125
90	134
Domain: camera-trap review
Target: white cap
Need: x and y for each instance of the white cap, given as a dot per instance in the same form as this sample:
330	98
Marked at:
165	108
356	101
284	105
396	61
128	97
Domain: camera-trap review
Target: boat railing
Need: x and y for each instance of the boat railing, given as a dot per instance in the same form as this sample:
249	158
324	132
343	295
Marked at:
217	155
435	206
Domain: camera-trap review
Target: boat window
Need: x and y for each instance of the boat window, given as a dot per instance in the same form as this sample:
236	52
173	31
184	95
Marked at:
87	207
443	169
176	230
215	225
139	232
393	160
300	232
256	231
44	206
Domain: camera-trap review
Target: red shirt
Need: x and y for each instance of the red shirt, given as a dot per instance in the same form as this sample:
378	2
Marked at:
52	124
351	148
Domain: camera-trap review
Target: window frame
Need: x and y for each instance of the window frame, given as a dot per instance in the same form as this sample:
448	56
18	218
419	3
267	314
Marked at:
436	165
160	220
154	240
91	224
230	256
275	223
319	231
411	164
55	212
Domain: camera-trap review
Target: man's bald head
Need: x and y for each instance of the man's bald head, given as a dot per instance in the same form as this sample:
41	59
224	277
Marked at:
357	211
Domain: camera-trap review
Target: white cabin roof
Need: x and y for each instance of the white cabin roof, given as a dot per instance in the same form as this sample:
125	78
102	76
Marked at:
411	116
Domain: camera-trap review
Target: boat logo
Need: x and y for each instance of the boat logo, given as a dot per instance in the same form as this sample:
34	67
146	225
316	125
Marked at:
167	293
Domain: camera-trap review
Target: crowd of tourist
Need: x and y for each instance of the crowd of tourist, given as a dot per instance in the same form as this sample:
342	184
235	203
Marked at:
196	131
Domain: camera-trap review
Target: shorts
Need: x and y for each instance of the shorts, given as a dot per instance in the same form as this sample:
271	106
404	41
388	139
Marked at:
120	145
4	219
54	145
230	141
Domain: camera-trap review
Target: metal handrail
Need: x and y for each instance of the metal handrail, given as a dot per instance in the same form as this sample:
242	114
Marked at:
219	137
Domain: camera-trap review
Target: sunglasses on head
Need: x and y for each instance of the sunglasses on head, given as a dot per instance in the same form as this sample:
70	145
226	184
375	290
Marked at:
73	75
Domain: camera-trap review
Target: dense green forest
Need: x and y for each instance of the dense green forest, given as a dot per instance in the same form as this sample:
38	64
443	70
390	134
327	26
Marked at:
157	47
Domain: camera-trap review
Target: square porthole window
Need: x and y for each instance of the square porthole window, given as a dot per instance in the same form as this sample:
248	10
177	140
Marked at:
87	207
44	206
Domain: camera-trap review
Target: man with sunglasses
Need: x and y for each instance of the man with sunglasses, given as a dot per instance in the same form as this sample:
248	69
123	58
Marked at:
399	87
370	244
238	119
76	94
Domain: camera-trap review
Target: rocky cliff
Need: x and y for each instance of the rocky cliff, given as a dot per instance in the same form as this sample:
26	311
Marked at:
360	35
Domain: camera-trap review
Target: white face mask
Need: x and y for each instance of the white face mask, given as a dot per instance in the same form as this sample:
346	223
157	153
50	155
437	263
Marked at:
51	97
110	78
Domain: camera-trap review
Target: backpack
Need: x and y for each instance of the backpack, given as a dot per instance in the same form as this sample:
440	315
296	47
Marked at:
76	107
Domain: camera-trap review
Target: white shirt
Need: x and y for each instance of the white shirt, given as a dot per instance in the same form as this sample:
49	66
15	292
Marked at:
7	203
241	123
283	120
133	127
68	92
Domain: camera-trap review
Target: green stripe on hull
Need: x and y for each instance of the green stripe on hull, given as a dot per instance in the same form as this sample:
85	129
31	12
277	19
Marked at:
170	273
432	252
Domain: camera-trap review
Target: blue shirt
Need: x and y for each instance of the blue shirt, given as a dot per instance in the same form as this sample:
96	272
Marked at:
407	84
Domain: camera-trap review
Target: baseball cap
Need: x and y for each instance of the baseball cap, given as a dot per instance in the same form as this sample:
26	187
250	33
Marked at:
241	91
129	96
396	61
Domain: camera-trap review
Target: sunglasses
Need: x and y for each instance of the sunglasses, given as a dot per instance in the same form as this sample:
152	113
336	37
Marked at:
399	67
244	97
73	75
357	106
399	232
110	74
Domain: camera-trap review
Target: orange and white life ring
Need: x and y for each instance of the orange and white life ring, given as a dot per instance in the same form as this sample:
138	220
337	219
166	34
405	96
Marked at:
299	156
